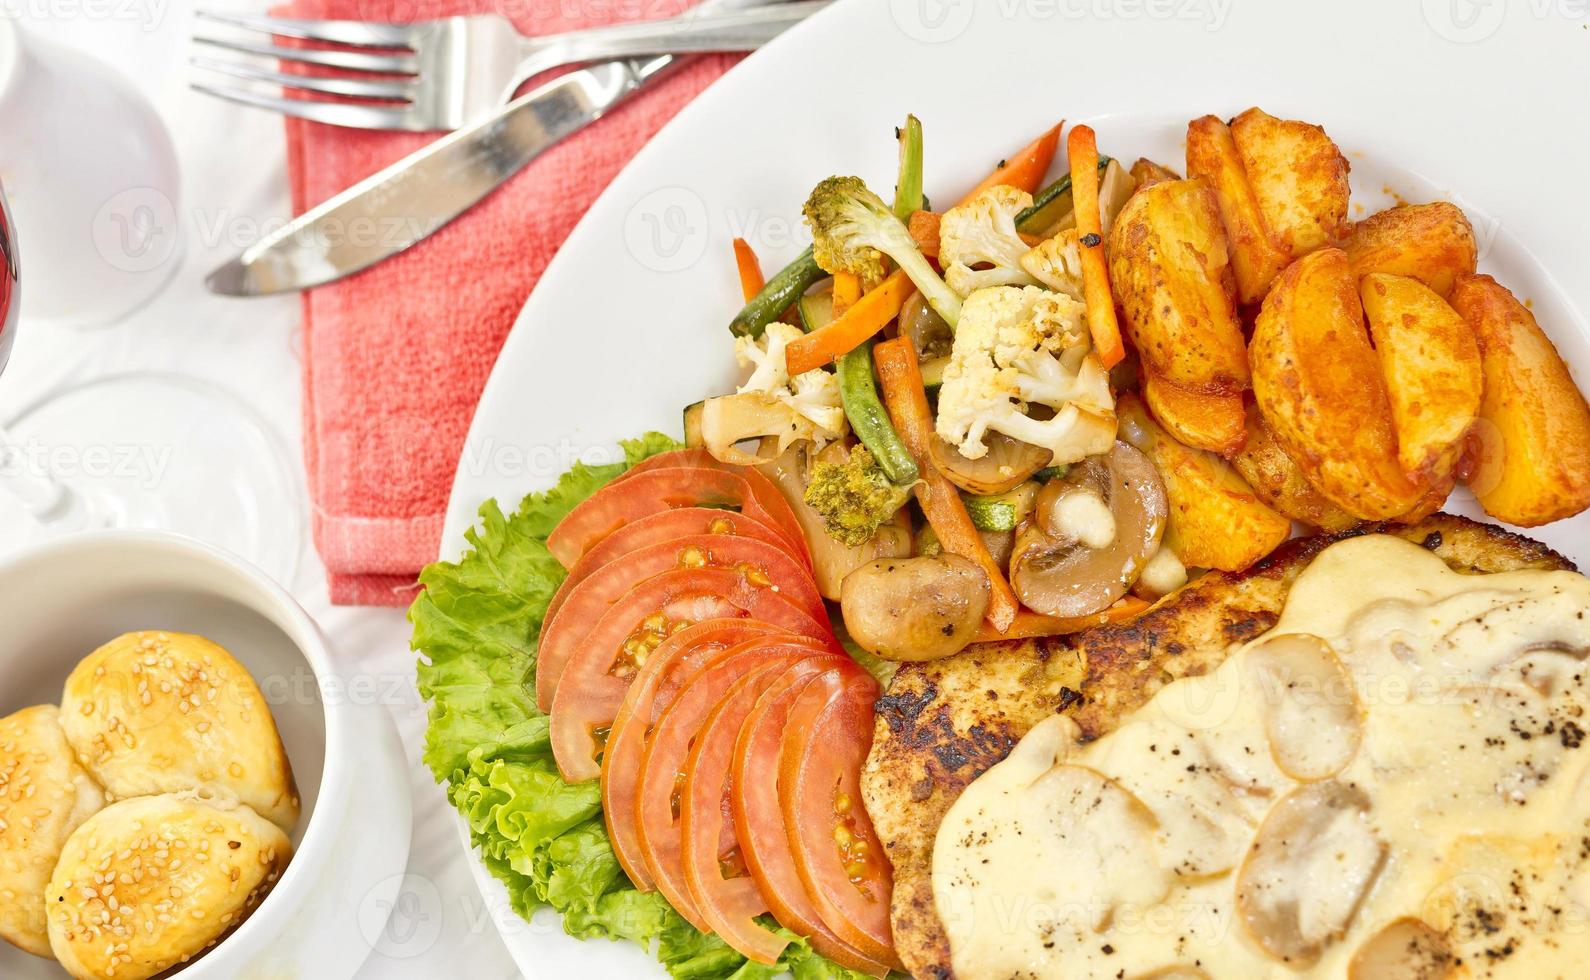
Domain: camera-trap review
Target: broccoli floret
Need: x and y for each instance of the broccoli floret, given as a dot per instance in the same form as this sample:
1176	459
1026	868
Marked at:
855	498
850	227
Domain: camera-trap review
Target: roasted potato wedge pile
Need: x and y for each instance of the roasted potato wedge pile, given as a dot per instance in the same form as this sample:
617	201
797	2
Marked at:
1278	481
1318	381
1282	191
1433	243
1431	365
1377	388
1200	420
1173	279
1171	275
1378	370
1216	519
1531	445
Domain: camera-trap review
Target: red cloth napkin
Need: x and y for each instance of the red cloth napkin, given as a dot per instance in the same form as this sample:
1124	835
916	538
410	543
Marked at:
395	358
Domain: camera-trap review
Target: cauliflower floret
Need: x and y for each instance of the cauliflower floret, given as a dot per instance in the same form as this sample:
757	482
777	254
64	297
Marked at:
983	232
813	395
1057	263
1017	348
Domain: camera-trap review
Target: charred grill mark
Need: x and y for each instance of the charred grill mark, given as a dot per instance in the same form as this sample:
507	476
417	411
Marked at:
1244	628
980	748
900	708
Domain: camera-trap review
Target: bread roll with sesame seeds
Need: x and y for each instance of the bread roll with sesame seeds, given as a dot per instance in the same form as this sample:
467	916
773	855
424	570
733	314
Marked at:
148	883
159	712
44	796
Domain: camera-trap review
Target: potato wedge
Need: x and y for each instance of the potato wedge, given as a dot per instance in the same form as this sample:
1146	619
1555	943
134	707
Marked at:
1278	481
1433	500
1299	178
1532	444
1318	382
1146	171
1257	257
1431	364
1172	277
1212	422
1216	520
1433	243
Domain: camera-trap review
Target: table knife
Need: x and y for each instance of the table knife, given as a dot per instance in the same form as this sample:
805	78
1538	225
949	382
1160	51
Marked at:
391	210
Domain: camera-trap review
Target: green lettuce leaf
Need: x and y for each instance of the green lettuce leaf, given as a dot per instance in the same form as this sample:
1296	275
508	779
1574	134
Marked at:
476	625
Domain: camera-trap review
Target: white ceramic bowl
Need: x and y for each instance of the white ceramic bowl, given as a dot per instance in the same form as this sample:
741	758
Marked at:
60	601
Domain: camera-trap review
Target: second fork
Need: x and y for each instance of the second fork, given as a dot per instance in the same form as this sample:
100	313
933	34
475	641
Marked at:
439	74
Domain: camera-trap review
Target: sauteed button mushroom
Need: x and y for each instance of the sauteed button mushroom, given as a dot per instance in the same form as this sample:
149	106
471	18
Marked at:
1091	536
1082	515
915	608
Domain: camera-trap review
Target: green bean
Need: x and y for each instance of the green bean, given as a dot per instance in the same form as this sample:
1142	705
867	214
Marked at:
857	390
776	297
908	188
869	420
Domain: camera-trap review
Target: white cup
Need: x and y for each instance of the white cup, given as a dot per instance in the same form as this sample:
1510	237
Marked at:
92	178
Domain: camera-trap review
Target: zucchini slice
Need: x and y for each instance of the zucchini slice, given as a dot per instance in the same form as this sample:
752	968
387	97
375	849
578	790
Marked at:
816	308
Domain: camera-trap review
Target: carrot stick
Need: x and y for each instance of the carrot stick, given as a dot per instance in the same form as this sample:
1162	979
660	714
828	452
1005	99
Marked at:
1030	625
924	228
1025	169
852	328
940	500
847	290
1084	153
751	279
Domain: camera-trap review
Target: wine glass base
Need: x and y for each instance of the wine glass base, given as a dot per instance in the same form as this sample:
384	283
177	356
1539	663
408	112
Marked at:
172	453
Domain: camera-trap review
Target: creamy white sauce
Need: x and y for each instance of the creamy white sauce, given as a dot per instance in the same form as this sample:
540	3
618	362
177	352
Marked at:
1084	516
1163	573
1403	751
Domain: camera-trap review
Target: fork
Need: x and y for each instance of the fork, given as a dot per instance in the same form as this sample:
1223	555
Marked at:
439	74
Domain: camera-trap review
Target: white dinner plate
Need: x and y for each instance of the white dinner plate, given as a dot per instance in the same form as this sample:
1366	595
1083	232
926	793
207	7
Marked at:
1458	99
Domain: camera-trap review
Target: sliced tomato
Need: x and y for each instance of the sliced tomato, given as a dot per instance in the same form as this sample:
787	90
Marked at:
678	457
675	662
663	764
826	740
759	817
587	690
650	491
728	897
761	563
666	525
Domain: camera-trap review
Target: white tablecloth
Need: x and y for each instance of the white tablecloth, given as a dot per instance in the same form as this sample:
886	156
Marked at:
234	180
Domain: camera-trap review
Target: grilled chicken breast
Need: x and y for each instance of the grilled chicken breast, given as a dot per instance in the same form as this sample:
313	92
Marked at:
943	723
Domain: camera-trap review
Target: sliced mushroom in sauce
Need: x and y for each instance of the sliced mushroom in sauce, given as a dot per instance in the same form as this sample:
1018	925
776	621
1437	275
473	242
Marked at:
1054	572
